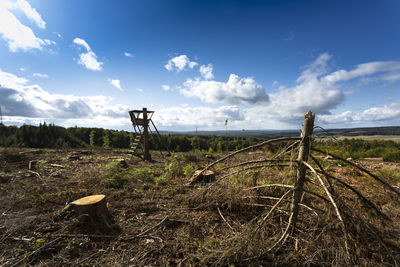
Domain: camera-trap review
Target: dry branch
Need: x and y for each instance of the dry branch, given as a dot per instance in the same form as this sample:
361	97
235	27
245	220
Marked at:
282	139
359	195
256	161
334	205
361	169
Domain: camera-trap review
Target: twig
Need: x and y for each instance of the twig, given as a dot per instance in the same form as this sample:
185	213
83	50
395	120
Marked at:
359	195
276	205
250	168
35	251
38	175
249	148
148	230
322	169
334	205
255	161
220	213
361	169
276	198
88	258
269	185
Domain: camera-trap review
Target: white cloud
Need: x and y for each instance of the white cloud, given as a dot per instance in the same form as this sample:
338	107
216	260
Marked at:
205	117
21	100
115	83
88	59
140	89
127	54
390	112
31	13
40	75
391	69
58	34
17	35
165	87
236	90
206	71
179	63
289	105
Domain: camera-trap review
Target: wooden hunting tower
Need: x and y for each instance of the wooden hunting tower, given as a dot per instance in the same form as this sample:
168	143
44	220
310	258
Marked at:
141	120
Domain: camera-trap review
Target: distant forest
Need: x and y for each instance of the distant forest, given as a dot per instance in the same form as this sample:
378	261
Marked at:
52	136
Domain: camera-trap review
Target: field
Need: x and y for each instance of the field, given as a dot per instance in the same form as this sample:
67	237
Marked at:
161	221
395	138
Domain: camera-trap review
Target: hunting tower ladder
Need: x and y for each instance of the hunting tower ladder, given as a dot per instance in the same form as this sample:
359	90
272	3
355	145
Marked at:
141	120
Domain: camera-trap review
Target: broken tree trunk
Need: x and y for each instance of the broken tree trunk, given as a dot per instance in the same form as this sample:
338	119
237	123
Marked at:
304	152
93	214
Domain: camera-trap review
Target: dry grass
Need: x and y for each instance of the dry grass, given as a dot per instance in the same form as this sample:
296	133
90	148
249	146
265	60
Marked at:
210	224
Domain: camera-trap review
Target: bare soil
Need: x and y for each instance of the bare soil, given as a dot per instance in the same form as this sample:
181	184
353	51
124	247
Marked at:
158	225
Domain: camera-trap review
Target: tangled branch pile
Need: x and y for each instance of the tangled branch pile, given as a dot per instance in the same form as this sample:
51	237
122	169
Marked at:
286	205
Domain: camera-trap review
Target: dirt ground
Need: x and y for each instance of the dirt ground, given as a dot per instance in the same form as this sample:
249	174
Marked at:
158	225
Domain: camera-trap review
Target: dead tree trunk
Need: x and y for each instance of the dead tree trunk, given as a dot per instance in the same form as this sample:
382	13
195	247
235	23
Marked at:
304	152
93	214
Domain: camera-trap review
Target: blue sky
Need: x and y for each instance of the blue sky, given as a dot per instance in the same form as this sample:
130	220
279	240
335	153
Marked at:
259	64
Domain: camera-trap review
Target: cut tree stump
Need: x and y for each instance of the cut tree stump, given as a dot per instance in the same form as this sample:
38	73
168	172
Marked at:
93	214
205	177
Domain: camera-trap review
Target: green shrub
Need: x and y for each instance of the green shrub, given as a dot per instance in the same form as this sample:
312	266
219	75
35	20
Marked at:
174	167
145	174
161	180
188	169
392	156
114	176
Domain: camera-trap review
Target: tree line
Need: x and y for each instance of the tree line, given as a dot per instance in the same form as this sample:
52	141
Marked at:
52	136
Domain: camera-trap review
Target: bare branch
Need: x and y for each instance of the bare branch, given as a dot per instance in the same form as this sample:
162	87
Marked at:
282	139
360	196
334	205
361	169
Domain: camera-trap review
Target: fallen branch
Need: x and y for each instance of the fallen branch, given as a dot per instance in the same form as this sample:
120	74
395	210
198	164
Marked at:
359	195
361	169
223	218
250	168
256	161
334	205
249	148
270	185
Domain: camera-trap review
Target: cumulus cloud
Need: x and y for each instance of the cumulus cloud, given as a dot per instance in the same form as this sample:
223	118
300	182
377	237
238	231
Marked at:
236	90
179	63
289	105
206	71
391	69
127	54
18	35
31	13
115	83
40	75
165	87
88	59
21	99
387	113
206	117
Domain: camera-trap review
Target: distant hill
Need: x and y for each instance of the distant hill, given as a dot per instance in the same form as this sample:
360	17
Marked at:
391	130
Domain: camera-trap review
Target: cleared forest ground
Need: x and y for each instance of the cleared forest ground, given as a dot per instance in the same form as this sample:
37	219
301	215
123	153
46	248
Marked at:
164	222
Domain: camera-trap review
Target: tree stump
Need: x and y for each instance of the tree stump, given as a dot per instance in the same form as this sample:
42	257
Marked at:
93	214
204	177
